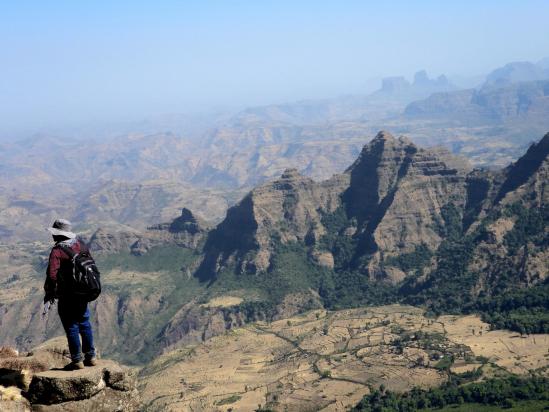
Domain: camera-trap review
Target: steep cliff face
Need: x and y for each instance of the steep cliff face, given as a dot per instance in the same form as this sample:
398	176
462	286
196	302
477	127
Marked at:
286	210
392	196
396	200
528	175
516	238
397	191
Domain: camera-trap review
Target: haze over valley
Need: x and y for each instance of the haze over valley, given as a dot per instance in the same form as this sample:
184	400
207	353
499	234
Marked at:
143	178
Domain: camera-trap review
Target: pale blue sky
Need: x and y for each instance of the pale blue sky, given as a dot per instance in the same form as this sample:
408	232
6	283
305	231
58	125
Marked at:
65	62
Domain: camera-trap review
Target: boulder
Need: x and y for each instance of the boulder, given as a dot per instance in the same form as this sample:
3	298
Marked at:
36	381
57	386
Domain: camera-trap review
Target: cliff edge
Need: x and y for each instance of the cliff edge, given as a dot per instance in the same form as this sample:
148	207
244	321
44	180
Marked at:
36	381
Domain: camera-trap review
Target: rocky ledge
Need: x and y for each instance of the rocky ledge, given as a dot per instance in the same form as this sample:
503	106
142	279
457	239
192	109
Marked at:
37	382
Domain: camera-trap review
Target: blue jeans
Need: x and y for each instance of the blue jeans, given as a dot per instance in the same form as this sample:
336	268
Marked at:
75	317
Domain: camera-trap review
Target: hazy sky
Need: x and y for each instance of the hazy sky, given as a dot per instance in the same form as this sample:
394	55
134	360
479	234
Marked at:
65	62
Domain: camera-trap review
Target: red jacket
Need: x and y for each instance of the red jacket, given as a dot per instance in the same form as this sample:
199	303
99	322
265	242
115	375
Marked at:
59	267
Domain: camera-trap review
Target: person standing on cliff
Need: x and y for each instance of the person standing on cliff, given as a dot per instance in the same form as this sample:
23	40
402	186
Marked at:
74	312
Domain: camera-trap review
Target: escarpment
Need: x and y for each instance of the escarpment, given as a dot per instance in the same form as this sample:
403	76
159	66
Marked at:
289	209
392	197
397	192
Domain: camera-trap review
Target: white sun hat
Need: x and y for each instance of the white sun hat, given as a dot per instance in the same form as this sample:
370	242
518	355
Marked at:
62	227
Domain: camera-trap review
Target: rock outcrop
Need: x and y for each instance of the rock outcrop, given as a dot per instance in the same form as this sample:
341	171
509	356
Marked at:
105	387
37	380
185	231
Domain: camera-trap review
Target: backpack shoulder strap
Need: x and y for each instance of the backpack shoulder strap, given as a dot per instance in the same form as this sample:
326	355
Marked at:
67	250
83	247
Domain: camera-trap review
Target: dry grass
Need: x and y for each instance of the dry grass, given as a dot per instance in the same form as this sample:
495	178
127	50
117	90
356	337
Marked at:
223	302
7	352
10	394
509	350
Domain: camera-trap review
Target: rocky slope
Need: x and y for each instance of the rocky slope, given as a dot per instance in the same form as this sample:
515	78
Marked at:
417	219
392	195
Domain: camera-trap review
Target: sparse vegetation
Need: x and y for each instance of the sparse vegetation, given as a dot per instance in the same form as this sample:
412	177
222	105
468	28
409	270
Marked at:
412	262
529	226
502	393
325	374
229	400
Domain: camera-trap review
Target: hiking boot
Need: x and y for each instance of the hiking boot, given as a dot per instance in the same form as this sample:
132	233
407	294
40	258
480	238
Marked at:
73	366
90	361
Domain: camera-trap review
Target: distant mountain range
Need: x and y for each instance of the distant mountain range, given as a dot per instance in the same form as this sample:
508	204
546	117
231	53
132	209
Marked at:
518	72
422	85
143	178
526	102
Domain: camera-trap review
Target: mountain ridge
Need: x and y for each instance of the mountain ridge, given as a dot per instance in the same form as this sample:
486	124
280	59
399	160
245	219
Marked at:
429	234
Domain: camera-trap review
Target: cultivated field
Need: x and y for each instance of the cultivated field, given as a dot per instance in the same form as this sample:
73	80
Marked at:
328	361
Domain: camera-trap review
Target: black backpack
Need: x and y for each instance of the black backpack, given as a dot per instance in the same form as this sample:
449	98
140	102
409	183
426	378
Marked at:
85	284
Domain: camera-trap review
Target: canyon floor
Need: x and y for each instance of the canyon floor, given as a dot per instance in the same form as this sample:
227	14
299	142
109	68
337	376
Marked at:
329	360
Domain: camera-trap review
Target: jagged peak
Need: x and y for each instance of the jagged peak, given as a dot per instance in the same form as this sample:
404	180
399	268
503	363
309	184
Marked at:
526	166
380	145
384	135
291	173
387	139
187	222
187	215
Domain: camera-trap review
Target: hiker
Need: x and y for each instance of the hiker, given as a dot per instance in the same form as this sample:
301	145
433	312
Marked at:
73	309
